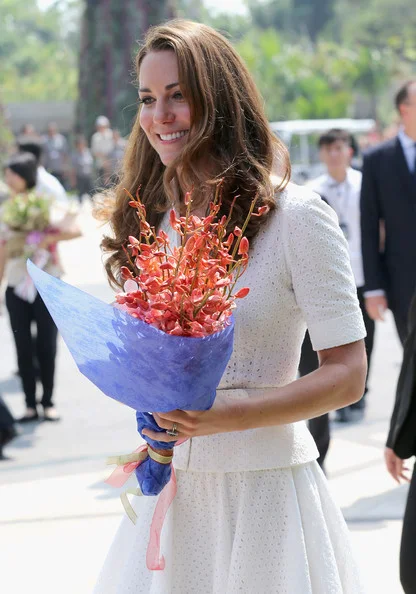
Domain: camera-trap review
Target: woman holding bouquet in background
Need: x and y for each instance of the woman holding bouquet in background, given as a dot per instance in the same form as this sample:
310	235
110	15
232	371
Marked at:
252	511
26	232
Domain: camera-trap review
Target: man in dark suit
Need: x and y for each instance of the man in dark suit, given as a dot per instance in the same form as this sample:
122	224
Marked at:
401	445
388	202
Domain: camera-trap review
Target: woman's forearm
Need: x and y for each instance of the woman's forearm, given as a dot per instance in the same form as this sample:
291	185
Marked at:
66	235
53	238
339	381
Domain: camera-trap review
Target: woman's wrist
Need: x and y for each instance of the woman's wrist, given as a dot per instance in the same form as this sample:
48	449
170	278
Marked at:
242	414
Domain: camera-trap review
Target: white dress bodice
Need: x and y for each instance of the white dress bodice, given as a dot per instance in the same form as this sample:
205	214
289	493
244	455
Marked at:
300	277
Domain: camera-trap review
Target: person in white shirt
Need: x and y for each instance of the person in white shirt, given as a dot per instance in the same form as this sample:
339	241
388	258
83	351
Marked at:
46	183
340	187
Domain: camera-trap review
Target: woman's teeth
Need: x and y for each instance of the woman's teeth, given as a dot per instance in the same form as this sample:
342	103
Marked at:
173	136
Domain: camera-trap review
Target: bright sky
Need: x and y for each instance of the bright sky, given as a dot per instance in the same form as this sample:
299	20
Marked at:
233	6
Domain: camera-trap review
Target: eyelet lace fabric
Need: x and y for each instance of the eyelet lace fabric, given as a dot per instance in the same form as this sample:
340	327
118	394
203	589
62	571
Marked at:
253	512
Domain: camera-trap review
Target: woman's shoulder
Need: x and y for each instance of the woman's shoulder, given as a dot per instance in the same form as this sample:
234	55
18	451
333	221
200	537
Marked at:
302	203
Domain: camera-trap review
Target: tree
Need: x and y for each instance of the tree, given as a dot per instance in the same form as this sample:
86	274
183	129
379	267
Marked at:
38	51
300	80
382	35
109	32
293	17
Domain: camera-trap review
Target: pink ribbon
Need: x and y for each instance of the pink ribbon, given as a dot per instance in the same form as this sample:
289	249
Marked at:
119	477
154	560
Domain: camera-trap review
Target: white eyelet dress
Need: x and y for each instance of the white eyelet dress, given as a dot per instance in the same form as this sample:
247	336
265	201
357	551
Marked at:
253	513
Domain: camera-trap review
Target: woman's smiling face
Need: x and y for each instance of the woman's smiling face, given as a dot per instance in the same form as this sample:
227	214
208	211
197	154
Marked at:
165	116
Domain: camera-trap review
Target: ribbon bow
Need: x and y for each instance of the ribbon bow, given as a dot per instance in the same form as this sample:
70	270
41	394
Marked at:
126	465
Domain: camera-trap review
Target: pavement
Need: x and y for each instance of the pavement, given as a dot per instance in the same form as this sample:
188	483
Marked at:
58	518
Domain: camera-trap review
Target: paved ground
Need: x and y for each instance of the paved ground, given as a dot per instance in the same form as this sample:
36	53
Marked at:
57	518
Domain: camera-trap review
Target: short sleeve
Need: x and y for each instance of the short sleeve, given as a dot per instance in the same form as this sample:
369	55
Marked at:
318	263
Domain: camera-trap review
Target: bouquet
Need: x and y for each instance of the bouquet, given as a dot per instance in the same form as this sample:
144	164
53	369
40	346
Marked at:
28	218
29	212
186	291
167	340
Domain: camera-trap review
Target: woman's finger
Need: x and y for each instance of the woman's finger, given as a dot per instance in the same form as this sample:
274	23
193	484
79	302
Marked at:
179	417
158	436
174	416
163	423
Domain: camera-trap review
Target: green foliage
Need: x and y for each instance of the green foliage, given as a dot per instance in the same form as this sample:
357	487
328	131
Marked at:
310	58
38	51
6	138
292	17
315	58
299	81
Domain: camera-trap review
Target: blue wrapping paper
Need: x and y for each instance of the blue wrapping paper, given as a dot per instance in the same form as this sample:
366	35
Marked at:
135	363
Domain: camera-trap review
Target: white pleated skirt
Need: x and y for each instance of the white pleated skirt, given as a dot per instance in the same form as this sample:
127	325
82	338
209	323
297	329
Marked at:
265	532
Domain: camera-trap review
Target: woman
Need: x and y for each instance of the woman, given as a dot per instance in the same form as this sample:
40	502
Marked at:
252	512
20	176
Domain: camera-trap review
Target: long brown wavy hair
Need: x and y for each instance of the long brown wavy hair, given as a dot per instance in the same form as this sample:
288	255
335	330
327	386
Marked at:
228	123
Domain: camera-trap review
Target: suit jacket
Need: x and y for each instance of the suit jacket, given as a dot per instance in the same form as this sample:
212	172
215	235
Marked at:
402	433
388	193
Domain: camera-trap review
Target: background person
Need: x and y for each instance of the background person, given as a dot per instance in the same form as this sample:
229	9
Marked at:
340	187
102	145
46	183
56	153
400	446
388	198
20	176
82	168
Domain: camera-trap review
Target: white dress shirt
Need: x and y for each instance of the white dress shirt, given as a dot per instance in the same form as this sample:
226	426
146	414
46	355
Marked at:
409	149
344	198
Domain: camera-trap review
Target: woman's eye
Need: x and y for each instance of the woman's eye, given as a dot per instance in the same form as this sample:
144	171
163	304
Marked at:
178	96
146	101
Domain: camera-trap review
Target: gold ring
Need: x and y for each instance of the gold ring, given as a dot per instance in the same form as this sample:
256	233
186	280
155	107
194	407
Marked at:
174	431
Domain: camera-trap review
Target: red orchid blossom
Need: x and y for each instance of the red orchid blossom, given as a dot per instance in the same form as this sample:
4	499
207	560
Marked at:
186	290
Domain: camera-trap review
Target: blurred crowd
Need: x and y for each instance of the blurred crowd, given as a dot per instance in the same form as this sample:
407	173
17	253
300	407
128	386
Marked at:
80	167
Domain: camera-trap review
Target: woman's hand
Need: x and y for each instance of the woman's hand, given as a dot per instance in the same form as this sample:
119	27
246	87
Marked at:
395	466
226	415
47	240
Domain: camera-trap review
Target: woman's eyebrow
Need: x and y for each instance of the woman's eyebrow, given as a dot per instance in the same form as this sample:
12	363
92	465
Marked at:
168	87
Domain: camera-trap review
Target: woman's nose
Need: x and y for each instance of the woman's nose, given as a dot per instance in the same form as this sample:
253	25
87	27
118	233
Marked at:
163	114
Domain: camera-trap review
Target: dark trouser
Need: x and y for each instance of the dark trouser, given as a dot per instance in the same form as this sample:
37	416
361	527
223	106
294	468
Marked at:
6	418
319	427
407	549
60	177
84	185
402	326
22	314
370	327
